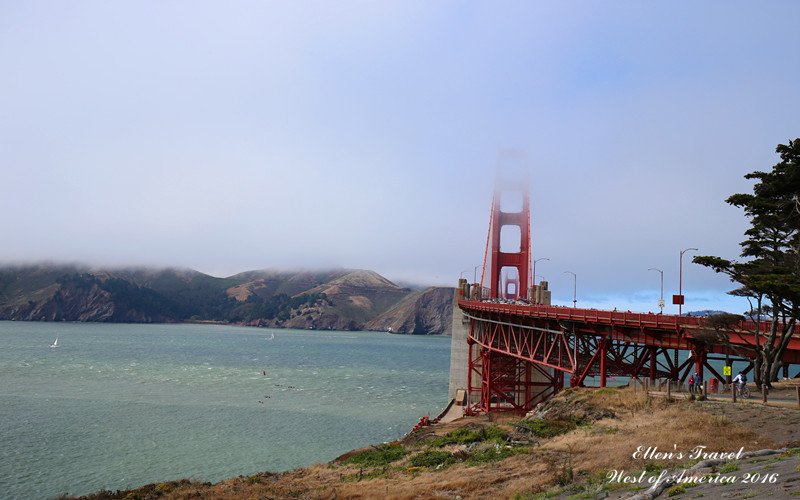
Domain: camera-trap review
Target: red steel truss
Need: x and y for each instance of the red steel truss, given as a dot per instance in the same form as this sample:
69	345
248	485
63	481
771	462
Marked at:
507	382
509	343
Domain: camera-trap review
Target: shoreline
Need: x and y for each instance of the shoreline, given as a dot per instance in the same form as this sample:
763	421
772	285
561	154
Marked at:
533	465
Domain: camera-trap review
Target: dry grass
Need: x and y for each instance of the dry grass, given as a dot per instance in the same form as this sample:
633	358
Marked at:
590	449
611	443
500	480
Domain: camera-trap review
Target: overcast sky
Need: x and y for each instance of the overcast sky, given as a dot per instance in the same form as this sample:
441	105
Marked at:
230	136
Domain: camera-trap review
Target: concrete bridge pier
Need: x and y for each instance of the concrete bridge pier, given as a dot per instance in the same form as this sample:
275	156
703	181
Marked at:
459	348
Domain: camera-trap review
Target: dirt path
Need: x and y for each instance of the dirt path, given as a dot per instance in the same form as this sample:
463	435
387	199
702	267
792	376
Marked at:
779	424
773	474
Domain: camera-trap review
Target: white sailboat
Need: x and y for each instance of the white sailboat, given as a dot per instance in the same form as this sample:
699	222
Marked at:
55	344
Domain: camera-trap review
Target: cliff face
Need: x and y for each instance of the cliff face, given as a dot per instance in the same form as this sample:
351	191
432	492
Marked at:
69	302
65	305
428	312
339	299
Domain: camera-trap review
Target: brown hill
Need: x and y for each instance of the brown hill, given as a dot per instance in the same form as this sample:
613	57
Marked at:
269	282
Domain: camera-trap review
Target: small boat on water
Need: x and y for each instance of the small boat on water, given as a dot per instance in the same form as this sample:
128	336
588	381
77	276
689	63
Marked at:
54	344
271	337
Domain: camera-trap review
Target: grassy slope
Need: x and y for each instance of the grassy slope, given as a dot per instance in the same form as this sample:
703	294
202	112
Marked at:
361	295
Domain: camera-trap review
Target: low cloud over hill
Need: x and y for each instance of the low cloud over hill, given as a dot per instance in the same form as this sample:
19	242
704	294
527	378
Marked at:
337	299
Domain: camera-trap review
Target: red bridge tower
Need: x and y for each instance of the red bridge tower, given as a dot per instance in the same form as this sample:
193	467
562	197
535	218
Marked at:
510	193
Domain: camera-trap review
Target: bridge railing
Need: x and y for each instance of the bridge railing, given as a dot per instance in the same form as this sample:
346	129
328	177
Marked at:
584	315
662	321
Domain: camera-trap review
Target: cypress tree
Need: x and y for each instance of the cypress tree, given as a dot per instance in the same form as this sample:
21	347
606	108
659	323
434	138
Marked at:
769	274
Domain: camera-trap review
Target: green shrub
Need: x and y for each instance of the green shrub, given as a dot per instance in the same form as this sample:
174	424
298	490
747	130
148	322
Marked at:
382	455
432	458
465	436
546	428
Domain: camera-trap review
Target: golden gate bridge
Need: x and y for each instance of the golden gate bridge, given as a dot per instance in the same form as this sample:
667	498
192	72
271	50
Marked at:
511	352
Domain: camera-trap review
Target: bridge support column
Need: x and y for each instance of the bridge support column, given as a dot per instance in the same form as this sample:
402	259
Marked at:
470	373
486	380
528	382
653	365
699	355
603	354
459	351
675	375
475	378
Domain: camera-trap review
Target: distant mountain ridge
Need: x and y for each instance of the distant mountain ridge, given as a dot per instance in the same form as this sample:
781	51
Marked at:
341	299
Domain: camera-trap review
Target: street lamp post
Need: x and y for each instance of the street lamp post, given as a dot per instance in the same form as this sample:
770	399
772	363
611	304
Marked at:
661	300
680	279
475	274
534	265
534	273
575	289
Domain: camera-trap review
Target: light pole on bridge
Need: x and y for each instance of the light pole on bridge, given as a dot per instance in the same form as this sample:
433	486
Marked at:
661	300
680	280
534	266
575	289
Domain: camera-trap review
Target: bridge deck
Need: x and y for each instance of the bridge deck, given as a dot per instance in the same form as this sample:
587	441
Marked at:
665	330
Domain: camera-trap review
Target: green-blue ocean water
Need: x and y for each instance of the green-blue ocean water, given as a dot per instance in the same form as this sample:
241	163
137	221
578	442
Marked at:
118	406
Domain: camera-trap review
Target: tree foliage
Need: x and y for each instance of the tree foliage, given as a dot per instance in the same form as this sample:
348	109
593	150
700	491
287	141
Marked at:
129	297
278	306
769	273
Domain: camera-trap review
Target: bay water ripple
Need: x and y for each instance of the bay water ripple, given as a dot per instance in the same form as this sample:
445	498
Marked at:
119	406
